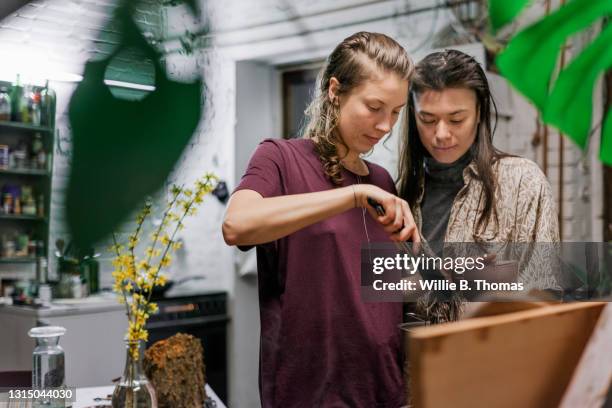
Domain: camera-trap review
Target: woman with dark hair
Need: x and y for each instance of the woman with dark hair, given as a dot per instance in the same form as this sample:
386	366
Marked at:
459	186
303	204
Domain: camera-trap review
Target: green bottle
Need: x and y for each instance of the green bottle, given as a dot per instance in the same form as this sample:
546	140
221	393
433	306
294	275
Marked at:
16	95
48	99
90	269
94	274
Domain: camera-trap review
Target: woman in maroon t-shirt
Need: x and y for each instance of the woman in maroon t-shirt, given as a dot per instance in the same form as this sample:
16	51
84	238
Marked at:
303	204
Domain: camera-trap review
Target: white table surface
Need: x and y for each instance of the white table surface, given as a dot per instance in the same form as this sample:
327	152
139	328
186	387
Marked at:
85	397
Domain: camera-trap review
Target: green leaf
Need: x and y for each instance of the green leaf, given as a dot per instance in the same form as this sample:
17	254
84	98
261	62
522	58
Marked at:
502	12
124	150
530	58
605	152
569	106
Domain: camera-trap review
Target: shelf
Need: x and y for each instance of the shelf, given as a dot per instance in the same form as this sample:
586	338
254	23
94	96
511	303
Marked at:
25	172
21	217
20	260
24	126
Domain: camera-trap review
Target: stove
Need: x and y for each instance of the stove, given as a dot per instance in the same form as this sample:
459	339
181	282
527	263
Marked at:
205	317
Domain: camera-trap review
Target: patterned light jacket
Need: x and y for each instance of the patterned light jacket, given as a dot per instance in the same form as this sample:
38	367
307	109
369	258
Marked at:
526	213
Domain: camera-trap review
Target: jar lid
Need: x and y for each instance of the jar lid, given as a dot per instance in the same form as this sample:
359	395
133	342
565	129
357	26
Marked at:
47	331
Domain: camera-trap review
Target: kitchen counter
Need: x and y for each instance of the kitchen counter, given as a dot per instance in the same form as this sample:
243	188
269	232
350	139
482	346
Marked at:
67	307
95	327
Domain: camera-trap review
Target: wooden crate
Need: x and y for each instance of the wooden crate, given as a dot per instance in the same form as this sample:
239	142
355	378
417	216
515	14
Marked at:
521	359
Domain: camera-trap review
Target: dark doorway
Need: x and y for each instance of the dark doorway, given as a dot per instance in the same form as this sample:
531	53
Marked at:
298	85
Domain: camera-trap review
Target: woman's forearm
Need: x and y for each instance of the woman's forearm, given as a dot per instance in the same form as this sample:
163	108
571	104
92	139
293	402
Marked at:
252	219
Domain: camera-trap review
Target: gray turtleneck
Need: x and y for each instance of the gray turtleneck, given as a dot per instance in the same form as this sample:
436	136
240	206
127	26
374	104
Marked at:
442	183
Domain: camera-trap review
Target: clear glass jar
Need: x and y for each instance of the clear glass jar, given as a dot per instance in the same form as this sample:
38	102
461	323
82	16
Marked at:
48	363
134	390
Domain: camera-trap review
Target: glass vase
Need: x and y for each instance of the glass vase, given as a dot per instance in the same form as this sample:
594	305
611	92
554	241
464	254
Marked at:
134	389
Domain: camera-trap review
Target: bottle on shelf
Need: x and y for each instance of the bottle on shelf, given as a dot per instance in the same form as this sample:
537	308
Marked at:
16	96
41	160
39	156
40	205
90	269
37	143
42	267
35	110
48	99
25	104
7	203
5	104
17	206
28	204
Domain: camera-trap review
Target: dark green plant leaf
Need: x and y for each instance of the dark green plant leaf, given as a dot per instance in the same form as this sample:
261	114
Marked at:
502	12
573	90
530	58
124	150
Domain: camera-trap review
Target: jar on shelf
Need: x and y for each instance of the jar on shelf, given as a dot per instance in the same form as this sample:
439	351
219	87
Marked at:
28	204
20	156
8	247
4	157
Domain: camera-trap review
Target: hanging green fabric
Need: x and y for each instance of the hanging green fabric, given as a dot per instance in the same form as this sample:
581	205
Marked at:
502	12
124	150
570	105
530	58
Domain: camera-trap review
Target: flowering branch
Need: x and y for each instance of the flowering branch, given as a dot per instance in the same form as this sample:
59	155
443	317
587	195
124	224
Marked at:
134	279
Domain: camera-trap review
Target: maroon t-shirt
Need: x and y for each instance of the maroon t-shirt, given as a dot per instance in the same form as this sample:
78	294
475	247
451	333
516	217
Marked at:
321	344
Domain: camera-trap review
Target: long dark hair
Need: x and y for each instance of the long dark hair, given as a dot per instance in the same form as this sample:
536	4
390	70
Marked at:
437	71
351	63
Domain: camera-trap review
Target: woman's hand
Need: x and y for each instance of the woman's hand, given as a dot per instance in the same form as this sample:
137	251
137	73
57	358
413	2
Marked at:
397	220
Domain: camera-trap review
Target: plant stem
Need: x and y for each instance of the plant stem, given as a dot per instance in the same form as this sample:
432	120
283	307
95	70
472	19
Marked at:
178	224
145	214
156	237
